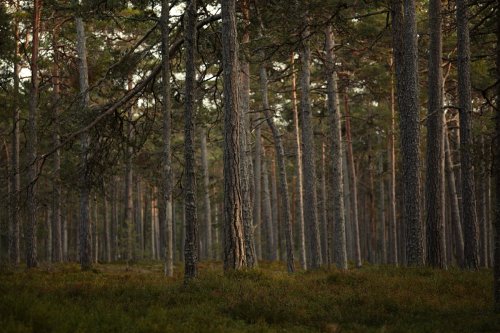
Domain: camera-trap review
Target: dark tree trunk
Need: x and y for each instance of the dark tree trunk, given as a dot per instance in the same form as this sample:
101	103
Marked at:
496	180
466	154
191	241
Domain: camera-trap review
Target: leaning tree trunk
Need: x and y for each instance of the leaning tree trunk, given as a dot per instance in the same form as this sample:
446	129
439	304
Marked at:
191	241
15	177
339	241
234	242
166	181
32	141
469	220
406	64
434	182
85	185
245	151
308	156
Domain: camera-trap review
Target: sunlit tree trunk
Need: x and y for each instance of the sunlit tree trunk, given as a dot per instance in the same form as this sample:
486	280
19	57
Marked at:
234	242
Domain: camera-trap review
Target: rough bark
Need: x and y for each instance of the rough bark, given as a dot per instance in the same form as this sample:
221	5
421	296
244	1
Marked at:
32	142
166	187
469	219
234	242
434	182
496	182
245	150
340	244
406	64
191	240
308	156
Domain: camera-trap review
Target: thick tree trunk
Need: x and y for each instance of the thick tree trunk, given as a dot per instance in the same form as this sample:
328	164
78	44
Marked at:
191	240
298	170
406	63
85	236
434	182
308	156
351	170
340	246
32	142
234	242
15	177
466	147
245	149
166	187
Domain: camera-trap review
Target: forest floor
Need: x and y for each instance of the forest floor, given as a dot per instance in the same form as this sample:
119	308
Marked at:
138	298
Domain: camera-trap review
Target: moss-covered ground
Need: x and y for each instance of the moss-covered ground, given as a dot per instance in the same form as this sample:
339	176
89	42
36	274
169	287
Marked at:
138	298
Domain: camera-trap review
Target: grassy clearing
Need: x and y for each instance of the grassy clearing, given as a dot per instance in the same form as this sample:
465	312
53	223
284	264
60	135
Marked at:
114	298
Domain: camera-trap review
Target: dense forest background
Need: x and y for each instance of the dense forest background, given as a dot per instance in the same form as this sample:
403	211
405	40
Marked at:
315	133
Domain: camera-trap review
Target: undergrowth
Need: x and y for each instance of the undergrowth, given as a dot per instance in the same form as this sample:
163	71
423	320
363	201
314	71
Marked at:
138	298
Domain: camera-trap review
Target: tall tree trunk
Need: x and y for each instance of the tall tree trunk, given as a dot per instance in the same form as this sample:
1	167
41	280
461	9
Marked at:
166	187
107	227
393	230
128	216
15	177
245	150
257	191
434	182
191	241
351	170
323	208
466	154
298	170
406	64
32	142
280	156
275	209
209	250
496	182
234	242
381	226
340	253
85	232
56	180
308	158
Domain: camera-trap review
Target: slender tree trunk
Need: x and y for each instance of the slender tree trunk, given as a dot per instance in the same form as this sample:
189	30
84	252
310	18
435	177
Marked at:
267	212
166	187
128	217
393	230
32	142
454	204
496	182
351	170
206	196
191	241
406	64
434	182
245	149
275	209
323	208
234	242
466	154
257	191
481	203
308	158
340	244
298	170
107	227
15	177
381	226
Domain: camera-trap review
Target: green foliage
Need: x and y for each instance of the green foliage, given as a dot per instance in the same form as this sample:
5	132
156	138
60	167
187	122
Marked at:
116	298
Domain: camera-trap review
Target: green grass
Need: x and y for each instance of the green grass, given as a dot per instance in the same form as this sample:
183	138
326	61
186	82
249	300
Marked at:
114	298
